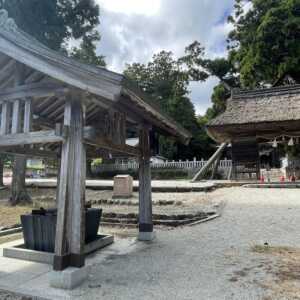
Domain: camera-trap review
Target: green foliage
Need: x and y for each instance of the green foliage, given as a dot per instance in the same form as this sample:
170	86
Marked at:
264	44
86	52
56	22
166	79
97	162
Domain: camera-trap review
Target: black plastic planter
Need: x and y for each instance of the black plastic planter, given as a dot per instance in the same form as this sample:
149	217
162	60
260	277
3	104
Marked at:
39	228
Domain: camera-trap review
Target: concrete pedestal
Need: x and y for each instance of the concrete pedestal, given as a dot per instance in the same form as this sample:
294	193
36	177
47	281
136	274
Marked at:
68	278
146	236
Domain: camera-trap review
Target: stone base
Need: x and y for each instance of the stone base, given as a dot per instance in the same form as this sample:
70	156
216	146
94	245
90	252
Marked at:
20	252
146	236
68	278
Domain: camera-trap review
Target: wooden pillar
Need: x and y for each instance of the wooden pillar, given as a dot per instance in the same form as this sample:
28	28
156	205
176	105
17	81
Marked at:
145	193
70	228
19	192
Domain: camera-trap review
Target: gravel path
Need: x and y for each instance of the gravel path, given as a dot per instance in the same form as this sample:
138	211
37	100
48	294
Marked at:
209	261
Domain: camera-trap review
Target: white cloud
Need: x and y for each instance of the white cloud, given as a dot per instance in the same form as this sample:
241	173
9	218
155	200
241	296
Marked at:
133	30
142	7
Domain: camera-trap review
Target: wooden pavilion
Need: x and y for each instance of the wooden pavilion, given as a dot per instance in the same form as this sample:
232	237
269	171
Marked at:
52	105
267	115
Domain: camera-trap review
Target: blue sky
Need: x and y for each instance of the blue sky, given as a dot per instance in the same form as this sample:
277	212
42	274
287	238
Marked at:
133	30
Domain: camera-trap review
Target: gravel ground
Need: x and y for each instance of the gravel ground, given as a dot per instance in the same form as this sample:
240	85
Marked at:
213	260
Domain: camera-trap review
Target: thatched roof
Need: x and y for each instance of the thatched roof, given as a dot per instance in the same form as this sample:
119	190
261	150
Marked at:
250	112
108	88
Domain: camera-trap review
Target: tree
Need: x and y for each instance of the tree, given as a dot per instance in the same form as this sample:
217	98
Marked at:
264	44
167	79
54	23
86	52
223	69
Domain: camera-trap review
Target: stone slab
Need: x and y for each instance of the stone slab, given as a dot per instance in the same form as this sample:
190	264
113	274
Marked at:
19	251
123	186
68	278
10	231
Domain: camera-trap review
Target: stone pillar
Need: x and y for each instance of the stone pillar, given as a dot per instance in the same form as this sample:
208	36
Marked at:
145	193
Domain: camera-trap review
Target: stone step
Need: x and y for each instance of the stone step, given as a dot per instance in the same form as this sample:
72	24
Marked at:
158	219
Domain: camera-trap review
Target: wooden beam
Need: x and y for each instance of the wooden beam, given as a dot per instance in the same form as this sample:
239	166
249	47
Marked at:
145	193
60	259
70	229
37	90
16	117
29	152
215	156
5	118
94	138
27	116
37	137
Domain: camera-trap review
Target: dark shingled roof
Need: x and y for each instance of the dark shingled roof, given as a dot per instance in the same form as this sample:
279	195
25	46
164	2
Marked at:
264	105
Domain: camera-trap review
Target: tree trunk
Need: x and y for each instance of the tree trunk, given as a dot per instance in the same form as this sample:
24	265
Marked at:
89	172
1	171
18	186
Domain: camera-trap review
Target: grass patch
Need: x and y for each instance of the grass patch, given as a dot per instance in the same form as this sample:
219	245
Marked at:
285	270
10	216
280	250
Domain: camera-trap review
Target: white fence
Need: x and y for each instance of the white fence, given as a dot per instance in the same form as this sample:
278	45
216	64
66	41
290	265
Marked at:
179	165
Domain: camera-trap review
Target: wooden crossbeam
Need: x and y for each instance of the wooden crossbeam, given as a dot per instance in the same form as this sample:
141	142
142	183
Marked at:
29	152
94	138
38	90
37	137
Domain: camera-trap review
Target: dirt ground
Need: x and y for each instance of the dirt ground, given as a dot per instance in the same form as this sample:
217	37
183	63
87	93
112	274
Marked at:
180	203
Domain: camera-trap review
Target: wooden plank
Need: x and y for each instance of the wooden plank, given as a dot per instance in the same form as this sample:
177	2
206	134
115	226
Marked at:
5	118
27	116
145	193
37	137
62	201
36	90
76	184
16	117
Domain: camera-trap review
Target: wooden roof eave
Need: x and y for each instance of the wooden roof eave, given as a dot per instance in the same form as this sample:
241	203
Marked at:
157	118
26	50
100	82
229	132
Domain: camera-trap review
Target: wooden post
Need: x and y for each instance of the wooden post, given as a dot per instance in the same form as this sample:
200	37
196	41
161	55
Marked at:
70	228
145	193
203	170
19	191
215	167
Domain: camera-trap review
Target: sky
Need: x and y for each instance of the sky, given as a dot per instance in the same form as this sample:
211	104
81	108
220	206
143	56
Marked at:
134	30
